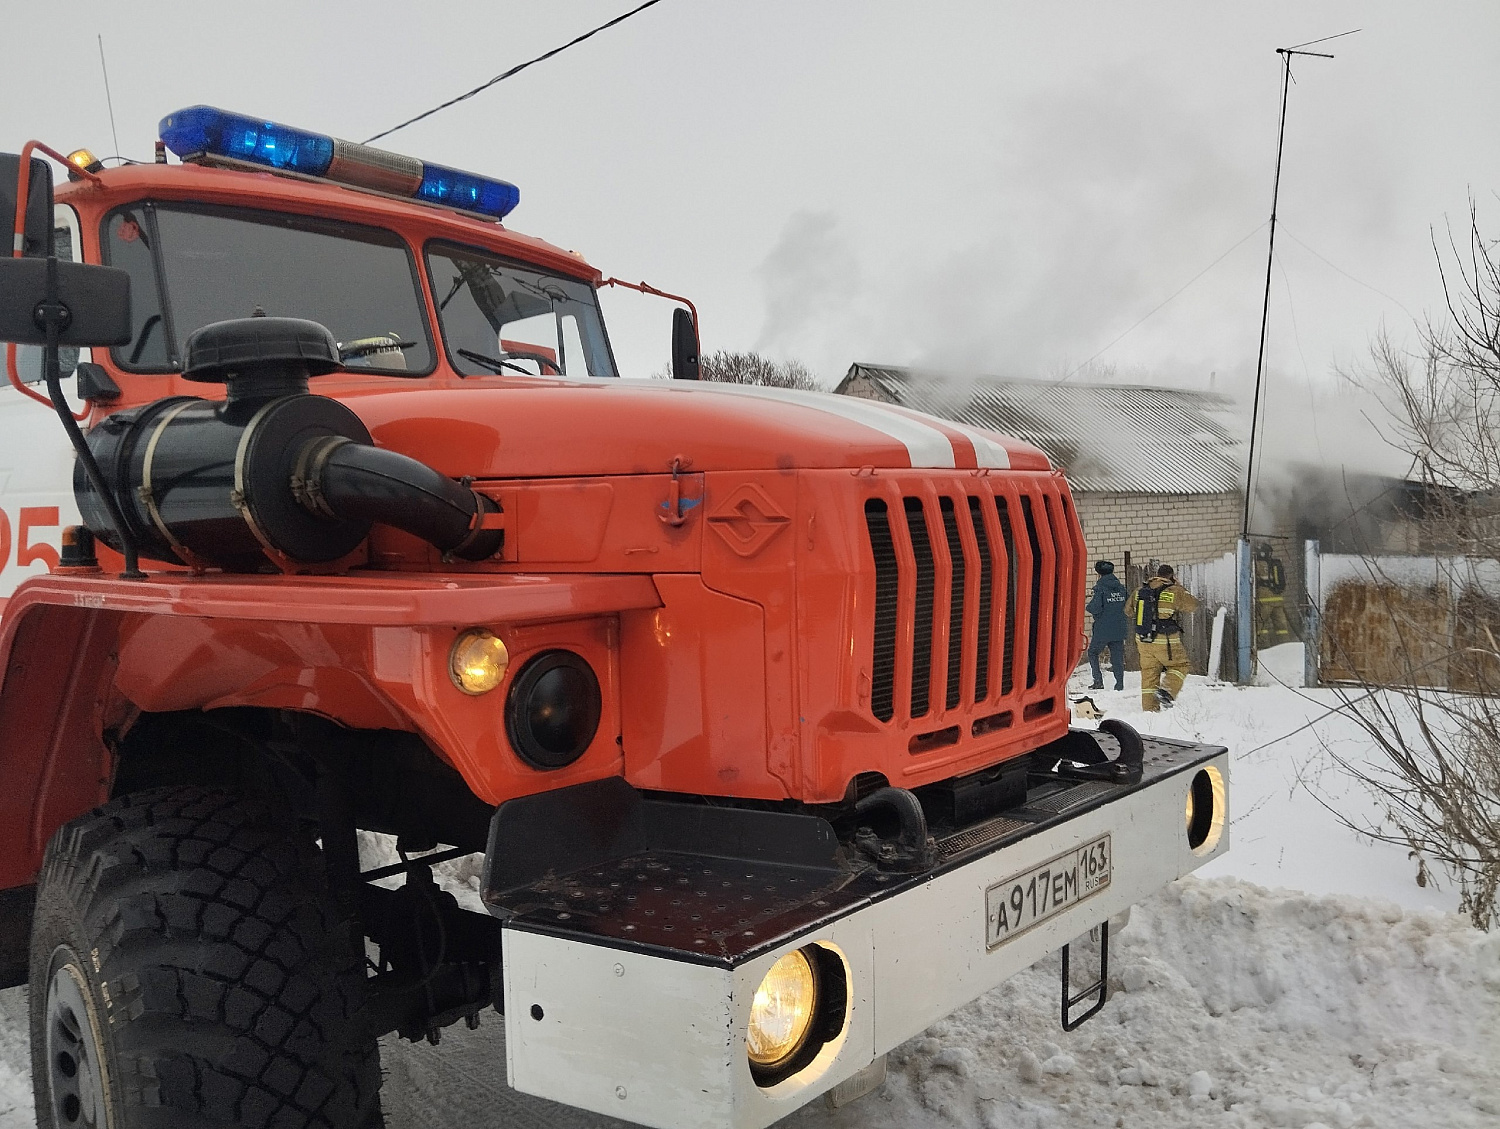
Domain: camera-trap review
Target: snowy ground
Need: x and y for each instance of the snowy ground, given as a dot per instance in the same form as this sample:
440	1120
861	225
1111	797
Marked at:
1303	980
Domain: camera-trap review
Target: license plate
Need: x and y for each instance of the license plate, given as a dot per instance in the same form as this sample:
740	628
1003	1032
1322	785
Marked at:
1031	897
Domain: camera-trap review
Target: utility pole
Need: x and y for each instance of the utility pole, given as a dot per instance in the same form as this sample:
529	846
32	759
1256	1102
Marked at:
1286	54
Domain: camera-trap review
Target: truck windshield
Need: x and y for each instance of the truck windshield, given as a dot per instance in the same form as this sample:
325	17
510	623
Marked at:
504	317
190	266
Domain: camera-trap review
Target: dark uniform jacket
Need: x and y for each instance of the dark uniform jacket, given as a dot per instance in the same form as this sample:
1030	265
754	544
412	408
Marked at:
1107	606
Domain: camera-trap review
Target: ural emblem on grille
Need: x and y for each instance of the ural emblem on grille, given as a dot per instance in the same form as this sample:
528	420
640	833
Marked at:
748	520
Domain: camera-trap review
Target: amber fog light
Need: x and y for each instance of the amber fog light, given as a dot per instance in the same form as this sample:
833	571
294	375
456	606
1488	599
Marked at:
478	661
553	708
781	1015
1205	810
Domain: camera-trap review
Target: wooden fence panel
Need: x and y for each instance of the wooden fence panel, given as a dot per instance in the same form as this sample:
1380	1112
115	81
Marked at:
1386	634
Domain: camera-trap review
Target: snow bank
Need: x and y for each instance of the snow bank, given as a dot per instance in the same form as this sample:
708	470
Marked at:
1283	665
1233	1006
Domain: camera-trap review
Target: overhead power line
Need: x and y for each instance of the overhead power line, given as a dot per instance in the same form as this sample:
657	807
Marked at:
1076	369
515	70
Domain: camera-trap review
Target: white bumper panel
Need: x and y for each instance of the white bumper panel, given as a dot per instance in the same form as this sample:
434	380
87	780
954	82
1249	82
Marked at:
661	1041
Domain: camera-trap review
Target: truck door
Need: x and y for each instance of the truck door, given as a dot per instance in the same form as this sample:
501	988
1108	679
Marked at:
36	461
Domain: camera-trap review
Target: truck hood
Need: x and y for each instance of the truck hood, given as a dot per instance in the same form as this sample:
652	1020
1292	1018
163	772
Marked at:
549	428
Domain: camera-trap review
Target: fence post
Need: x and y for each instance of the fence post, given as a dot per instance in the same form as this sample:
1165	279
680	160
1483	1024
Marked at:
1244	609
1312	618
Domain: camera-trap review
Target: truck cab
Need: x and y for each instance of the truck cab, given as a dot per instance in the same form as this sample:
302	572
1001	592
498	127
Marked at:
753	701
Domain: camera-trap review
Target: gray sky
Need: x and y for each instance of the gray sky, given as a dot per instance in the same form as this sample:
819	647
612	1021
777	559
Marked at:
984	186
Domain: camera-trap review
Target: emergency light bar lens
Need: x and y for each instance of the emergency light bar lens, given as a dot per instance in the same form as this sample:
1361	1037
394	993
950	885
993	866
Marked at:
203	131
467	191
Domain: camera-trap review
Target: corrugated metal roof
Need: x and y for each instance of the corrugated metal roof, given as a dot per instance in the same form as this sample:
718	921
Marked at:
1116	437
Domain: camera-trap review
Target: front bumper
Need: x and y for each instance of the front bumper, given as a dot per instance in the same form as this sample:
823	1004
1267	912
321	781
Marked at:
632	1006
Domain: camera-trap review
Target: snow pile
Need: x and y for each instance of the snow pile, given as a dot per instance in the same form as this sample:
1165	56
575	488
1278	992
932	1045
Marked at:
1283	665
1233	1006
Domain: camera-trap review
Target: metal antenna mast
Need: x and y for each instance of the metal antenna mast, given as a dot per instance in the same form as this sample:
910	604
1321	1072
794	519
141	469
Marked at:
1286	54
108	100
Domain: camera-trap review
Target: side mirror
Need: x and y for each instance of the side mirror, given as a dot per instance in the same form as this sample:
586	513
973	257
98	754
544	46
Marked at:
96	301
38	234
684	345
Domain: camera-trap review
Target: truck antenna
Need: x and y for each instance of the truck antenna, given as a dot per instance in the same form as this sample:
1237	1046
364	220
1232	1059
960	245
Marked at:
1286	54
108	100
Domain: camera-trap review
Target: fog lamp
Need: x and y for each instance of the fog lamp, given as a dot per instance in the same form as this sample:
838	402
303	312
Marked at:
1205	810
781	1015
478	661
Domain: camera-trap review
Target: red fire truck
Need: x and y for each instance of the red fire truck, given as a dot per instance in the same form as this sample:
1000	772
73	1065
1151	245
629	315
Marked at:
753	701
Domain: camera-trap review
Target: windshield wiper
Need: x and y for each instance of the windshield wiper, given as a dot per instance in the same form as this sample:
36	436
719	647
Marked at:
494	364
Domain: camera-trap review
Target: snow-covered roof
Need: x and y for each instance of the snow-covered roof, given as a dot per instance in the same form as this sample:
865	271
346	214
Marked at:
1114	437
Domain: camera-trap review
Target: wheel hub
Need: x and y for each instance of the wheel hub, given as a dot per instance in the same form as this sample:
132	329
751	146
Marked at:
75	1062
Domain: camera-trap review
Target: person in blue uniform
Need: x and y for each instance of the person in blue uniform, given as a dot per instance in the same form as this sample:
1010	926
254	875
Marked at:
1107	606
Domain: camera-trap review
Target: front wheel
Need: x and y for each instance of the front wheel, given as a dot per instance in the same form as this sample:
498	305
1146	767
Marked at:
189	968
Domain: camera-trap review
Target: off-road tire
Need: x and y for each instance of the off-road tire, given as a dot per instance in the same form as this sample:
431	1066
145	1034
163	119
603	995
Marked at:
219	980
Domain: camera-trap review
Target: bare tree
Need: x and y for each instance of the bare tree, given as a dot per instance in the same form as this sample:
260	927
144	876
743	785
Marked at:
752	368
1433	711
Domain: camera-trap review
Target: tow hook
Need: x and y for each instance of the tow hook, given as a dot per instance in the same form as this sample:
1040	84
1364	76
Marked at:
912	850
674	509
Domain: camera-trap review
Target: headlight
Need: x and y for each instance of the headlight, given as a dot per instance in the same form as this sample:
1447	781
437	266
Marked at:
1205	810
553	708
781	1015
478	661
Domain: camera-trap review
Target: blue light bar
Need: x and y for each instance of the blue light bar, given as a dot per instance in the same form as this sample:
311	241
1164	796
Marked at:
203	129
202	133
467	191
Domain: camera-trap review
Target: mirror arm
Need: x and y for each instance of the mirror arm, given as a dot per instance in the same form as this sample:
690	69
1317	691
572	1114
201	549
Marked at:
52	314
646	288
23	187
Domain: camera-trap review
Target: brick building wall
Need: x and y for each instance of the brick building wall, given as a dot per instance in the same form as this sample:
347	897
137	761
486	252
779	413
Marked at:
1176	528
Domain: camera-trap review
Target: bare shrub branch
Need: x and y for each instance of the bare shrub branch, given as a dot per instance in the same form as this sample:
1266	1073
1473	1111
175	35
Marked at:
1433	714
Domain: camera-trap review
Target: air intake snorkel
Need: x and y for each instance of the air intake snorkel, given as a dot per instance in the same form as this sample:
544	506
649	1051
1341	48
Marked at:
272	472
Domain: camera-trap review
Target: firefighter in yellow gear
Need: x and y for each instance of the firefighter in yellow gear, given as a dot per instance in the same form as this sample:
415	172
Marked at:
1156	611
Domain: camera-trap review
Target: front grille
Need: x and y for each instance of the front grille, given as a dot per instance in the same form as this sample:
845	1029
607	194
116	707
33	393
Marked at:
952	590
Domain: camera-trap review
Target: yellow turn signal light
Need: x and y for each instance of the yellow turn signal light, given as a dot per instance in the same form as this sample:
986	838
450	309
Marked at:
781	1014
478	661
